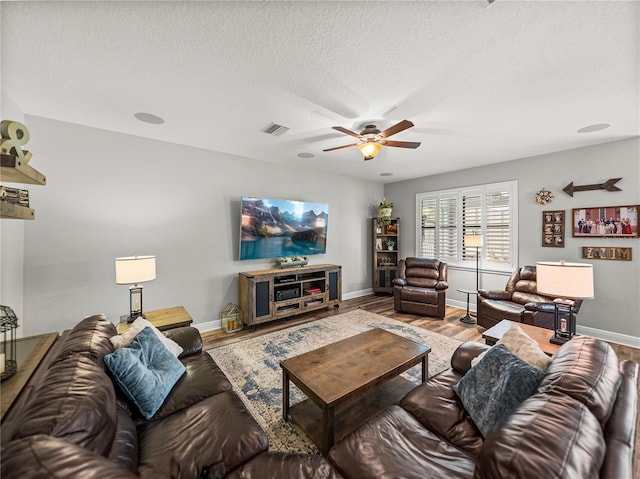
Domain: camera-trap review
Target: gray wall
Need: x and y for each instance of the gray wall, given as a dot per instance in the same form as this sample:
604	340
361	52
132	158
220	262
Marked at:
111	195
616	306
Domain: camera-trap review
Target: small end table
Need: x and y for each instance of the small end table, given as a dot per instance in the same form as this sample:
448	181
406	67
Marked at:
163	319
468	319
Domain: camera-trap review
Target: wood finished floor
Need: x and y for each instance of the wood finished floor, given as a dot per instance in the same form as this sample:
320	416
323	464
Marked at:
450	326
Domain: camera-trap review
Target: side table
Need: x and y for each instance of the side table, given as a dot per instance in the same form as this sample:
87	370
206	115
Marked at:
468	319
163	319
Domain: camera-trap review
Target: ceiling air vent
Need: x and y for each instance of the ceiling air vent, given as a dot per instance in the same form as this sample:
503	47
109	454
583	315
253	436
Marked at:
276	130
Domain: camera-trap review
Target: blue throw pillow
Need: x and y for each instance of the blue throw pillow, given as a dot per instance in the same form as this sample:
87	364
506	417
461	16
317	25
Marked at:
492	389
146	371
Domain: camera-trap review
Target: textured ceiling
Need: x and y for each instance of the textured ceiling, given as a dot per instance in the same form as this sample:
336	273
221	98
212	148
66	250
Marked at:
482	83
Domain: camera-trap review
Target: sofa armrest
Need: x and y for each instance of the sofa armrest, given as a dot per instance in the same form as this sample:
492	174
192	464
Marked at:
540	307
399	282
494	294
440	285
188	338
461	359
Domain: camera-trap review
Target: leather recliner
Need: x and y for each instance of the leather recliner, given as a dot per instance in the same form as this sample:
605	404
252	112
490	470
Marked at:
421	287
518	302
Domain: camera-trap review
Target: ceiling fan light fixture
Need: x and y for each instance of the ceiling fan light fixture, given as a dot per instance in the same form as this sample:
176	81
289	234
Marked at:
369	149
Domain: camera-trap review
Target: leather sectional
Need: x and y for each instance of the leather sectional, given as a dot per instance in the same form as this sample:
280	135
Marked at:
71	422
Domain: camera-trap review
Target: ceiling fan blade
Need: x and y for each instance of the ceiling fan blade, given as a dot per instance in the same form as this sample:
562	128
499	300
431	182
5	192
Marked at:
346	132
340	147
403	144
397	128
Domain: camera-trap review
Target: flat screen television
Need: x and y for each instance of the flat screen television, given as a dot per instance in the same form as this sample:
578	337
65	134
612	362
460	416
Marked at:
272	228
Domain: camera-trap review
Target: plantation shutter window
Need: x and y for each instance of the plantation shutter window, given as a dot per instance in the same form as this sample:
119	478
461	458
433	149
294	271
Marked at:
445	217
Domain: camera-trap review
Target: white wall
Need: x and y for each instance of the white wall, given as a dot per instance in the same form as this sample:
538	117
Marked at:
111	195
616	307
12	238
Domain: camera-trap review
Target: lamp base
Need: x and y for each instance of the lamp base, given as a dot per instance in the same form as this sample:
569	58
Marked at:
558	339
468	319
133	316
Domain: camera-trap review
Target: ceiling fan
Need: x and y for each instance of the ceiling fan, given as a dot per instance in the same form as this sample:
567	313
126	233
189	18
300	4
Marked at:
372	139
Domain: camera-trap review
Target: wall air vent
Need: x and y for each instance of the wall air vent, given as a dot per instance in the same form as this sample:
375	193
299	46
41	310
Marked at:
276	130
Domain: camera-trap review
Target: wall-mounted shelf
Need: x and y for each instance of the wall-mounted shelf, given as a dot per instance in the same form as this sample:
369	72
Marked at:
14	170
9	210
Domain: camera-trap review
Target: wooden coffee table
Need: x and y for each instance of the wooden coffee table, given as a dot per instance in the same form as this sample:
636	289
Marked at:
539	335
355	377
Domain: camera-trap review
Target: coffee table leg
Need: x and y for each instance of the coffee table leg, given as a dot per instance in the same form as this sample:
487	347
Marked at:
285	395
328	429
425	367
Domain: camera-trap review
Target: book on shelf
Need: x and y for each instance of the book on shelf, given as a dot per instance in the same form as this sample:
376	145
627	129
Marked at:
313	290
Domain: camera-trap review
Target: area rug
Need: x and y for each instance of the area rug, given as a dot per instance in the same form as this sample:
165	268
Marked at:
253	366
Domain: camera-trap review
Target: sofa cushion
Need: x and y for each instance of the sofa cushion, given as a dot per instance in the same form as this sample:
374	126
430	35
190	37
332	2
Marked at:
494	388
203	378
145	371
437	407
42	456
586	369
74	402
523	346
124	339
395	445
286	465
217	431
420	295
550	436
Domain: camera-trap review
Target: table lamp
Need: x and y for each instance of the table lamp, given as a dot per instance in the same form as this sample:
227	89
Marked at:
134	270
566	282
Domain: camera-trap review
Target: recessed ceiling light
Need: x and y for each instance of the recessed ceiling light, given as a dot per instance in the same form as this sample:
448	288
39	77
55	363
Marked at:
149	118
306	155
596	127
386	174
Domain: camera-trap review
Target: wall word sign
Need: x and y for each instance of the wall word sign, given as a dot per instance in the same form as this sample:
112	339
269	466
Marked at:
609	253
14	136
608	185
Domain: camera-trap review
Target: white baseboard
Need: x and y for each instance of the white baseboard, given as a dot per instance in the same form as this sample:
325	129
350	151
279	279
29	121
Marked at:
357	294
208	326
609	336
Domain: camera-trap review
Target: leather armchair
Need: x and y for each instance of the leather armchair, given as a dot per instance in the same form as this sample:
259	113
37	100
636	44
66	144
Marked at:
519	302
421	287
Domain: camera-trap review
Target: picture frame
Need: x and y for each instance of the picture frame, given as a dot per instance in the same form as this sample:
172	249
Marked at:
606	253
605	222
553	229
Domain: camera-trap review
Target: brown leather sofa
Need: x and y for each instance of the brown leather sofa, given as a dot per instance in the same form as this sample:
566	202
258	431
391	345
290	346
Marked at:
420	287
519	302
71	422
580	423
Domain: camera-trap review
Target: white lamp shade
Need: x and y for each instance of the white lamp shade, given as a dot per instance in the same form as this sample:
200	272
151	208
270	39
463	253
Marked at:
472	241
565	280
135	269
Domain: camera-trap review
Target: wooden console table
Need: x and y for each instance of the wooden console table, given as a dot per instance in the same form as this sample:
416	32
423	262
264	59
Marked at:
29	352
163	319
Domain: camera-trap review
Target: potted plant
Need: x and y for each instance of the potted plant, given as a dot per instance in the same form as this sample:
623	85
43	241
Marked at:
390	244
385	208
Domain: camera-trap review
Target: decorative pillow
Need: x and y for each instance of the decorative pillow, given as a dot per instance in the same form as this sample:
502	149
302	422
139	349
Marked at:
523	346
495	387
145	371
124	339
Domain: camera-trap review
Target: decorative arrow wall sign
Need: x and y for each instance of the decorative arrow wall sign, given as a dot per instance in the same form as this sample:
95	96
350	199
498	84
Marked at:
608	185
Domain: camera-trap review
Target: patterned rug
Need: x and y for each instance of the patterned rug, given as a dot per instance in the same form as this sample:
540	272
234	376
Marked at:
253	366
